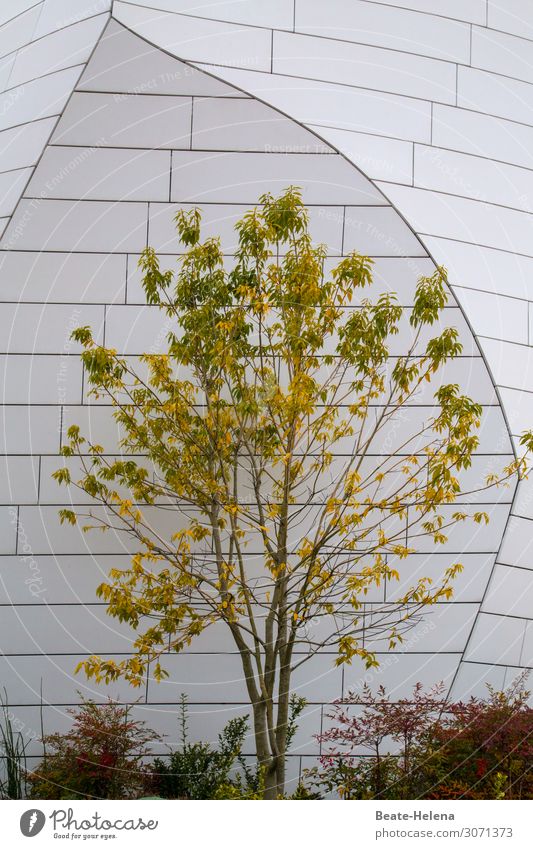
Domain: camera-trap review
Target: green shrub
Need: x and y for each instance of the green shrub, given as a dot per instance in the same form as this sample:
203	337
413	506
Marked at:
199	771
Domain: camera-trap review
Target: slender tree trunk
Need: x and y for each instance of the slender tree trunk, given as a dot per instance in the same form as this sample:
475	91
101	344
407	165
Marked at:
272	762
282	724
265	759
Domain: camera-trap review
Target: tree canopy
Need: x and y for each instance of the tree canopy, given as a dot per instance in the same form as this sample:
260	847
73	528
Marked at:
264	429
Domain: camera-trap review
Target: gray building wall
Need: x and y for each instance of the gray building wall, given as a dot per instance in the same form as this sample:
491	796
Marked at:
377	112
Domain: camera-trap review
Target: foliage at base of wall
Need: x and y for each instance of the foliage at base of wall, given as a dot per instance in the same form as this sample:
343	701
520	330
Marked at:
425	748
421	747
102	756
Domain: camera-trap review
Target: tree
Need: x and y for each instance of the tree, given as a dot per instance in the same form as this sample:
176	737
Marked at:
262	425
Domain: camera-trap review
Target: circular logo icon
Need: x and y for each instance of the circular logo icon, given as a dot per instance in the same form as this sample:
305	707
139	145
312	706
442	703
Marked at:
32	822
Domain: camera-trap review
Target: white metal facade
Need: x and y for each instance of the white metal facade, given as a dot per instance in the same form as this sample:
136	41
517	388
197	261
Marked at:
410	128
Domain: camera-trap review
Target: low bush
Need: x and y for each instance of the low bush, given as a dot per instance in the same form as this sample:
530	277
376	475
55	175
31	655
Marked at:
484	749
374	747
199	771
426	748
100	757
105	755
